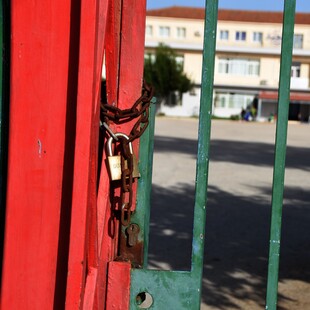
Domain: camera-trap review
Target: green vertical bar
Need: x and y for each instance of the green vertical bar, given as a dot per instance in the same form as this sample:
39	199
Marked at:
204	134
280	153
148	180
182	289
142	214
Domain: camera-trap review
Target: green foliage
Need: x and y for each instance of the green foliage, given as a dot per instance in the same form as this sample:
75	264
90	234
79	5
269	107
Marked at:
235	117
162	70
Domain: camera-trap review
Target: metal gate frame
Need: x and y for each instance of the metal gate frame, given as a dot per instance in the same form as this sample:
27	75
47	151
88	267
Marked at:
280	152
182	290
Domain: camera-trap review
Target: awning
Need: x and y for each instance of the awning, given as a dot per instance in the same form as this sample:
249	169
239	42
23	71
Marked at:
294	96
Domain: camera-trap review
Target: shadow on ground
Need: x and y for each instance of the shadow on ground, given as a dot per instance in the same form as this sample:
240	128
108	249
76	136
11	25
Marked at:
237	239
259	154
237	227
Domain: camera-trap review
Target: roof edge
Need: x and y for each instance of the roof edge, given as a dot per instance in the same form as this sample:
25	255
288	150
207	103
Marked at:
198	13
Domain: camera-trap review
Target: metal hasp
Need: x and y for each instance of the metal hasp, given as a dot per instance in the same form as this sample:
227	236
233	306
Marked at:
280	153
180	289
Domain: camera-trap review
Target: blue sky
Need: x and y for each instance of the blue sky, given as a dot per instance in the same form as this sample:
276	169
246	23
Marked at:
264	5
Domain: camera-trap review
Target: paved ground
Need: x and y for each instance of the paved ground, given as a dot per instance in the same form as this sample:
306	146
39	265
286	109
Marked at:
238	216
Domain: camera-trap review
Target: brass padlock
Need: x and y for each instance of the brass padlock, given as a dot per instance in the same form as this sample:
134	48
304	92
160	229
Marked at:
115	165
114	162
135	170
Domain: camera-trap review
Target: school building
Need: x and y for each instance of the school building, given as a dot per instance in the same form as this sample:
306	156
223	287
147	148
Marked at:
247	61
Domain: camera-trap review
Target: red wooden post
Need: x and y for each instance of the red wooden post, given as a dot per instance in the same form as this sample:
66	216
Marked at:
37	145
118	286
58	239
83	251
99	243
107	225
131	63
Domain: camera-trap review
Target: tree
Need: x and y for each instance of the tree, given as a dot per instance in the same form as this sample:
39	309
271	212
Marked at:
162	70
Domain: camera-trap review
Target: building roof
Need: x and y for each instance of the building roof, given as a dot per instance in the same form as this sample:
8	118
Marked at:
228	15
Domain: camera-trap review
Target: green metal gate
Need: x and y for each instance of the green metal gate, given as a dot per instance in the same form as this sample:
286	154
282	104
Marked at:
280	152
182	289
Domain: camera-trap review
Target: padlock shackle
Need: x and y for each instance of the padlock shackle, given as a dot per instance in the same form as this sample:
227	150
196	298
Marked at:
120	134
109	146
110	140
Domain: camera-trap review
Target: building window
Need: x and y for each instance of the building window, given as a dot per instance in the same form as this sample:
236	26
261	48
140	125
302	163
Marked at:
298	40
149	30
180	61
181	32
239	66
224	35
164	32
233	100
240	36
150	58
295	70
221	102
258	37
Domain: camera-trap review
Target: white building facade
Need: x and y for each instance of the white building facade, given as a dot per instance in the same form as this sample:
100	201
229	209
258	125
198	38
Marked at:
247	62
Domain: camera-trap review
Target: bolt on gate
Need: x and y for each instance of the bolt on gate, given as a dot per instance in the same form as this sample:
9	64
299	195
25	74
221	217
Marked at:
101	260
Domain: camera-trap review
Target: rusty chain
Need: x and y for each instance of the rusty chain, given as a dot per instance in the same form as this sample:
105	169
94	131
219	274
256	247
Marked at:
126	183
140	110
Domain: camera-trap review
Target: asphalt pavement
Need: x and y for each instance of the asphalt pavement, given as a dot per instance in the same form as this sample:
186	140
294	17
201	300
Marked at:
238	211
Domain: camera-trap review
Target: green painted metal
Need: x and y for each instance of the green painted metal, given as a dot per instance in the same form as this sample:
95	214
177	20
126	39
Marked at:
280	153
204	135
142	214
182	289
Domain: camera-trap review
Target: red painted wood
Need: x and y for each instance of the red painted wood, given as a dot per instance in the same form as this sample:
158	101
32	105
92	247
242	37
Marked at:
112	50
83	257
129	85
131	61
89	301
132	53
118	286
107	224
57	224
38	105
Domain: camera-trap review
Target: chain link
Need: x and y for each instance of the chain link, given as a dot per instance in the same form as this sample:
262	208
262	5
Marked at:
140	110
126	183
